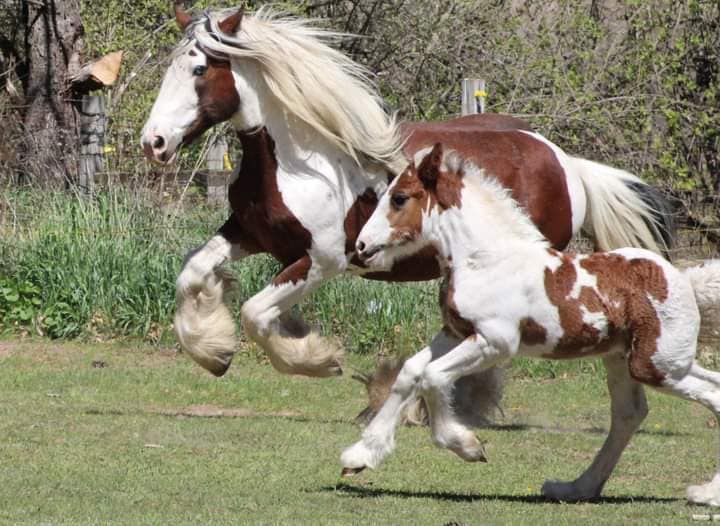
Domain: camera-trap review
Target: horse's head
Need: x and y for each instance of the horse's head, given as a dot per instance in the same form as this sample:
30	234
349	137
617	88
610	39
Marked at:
198	91
395	229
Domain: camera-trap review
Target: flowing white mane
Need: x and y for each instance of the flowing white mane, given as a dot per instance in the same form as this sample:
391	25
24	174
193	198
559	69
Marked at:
496	200
313	81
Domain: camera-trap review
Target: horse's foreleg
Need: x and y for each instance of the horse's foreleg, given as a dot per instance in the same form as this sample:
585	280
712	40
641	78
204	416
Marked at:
292	347
472	355
203	323
378	439
628	409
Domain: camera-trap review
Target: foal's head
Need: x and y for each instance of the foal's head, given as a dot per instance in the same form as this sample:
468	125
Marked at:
431	184
197	92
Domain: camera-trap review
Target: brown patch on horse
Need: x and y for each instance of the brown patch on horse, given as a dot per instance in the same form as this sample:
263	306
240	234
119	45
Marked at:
355	219
298	271
531	332
445	187
627	284
621	295
578	336
231	24
421	266
407	221
182	17
418	135
218	100
452	318
261	220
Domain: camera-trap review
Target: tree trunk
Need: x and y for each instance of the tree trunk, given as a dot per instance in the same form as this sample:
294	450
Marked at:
53	42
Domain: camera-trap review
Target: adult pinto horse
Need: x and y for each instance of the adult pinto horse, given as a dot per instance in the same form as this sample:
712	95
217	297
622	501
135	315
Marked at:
318	150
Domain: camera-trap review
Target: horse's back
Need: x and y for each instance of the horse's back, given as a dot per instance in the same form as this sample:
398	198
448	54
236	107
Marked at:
522	163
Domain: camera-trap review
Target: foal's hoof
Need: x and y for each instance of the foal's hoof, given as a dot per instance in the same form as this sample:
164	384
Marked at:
350	472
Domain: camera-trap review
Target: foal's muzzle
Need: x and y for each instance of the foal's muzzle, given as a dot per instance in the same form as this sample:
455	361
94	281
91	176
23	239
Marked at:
364	252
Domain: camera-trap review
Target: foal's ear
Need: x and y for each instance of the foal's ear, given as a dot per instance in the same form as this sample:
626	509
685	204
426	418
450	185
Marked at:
429	168
231	24
182	17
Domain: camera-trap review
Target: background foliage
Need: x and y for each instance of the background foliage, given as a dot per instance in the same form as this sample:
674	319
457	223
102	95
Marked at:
631	83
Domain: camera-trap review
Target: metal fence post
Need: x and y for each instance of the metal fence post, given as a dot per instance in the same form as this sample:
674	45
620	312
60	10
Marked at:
473	96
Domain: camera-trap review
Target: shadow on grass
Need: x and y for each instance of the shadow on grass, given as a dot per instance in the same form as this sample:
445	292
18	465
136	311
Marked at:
362	492
590	430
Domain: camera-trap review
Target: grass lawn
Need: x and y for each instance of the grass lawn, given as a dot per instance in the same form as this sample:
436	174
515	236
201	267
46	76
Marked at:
129	435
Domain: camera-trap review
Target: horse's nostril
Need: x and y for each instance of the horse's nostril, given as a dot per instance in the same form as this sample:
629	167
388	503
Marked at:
158	142
360	246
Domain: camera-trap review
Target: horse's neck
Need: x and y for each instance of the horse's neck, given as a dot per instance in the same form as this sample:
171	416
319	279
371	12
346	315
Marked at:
302	151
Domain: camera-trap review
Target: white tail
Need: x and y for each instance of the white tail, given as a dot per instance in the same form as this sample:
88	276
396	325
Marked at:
705	280
618	216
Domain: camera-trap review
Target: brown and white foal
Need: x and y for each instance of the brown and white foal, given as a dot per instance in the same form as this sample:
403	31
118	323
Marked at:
508	293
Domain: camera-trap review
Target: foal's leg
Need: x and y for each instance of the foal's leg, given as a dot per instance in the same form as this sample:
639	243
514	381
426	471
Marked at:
203	324
290	344
700	385
628	409
472	355
378	439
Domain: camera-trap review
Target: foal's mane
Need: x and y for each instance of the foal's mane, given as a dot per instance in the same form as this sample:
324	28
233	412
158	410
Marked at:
313	81
496	201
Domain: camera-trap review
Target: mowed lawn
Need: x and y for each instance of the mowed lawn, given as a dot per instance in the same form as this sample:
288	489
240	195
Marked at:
121	434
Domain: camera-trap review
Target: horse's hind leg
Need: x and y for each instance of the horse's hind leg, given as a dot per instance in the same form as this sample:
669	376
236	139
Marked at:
203	324
700	385
628	410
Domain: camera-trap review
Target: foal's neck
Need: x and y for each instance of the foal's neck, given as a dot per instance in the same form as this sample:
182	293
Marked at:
486	229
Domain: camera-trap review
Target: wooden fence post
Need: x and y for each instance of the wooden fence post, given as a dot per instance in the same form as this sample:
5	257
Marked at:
473	96
92	140
217	176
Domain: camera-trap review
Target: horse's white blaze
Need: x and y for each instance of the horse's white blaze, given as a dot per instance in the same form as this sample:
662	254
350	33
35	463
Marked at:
176	106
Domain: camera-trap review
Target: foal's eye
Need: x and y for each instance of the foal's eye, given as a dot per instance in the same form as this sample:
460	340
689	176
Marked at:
398	200
199	71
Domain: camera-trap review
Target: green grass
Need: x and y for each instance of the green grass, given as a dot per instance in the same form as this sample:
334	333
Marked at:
75	267
103	434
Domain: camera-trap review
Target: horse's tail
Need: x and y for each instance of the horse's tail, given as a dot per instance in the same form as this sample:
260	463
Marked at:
705	281
624	211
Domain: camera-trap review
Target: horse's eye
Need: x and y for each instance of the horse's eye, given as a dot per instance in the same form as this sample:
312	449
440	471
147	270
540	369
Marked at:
398	200
199	71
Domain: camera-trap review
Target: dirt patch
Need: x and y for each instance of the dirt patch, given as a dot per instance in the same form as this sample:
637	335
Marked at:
213	411
158	357
6	349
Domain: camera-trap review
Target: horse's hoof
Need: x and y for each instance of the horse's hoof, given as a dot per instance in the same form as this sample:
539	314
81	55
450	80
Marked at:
351	472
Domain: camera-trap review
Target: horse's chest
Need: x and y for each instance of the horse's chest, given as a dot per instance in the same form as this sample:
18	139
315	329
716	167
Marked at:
452	317
265	217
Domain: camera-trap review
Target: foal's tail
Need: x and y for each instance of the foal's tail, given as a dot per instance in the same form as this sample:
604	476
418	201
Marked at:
705	280
624	211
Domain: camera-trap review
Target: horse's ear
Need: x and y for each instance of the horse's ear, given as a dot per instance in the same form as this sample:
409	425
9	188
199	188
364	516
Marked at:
429	168
231	24
182	17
